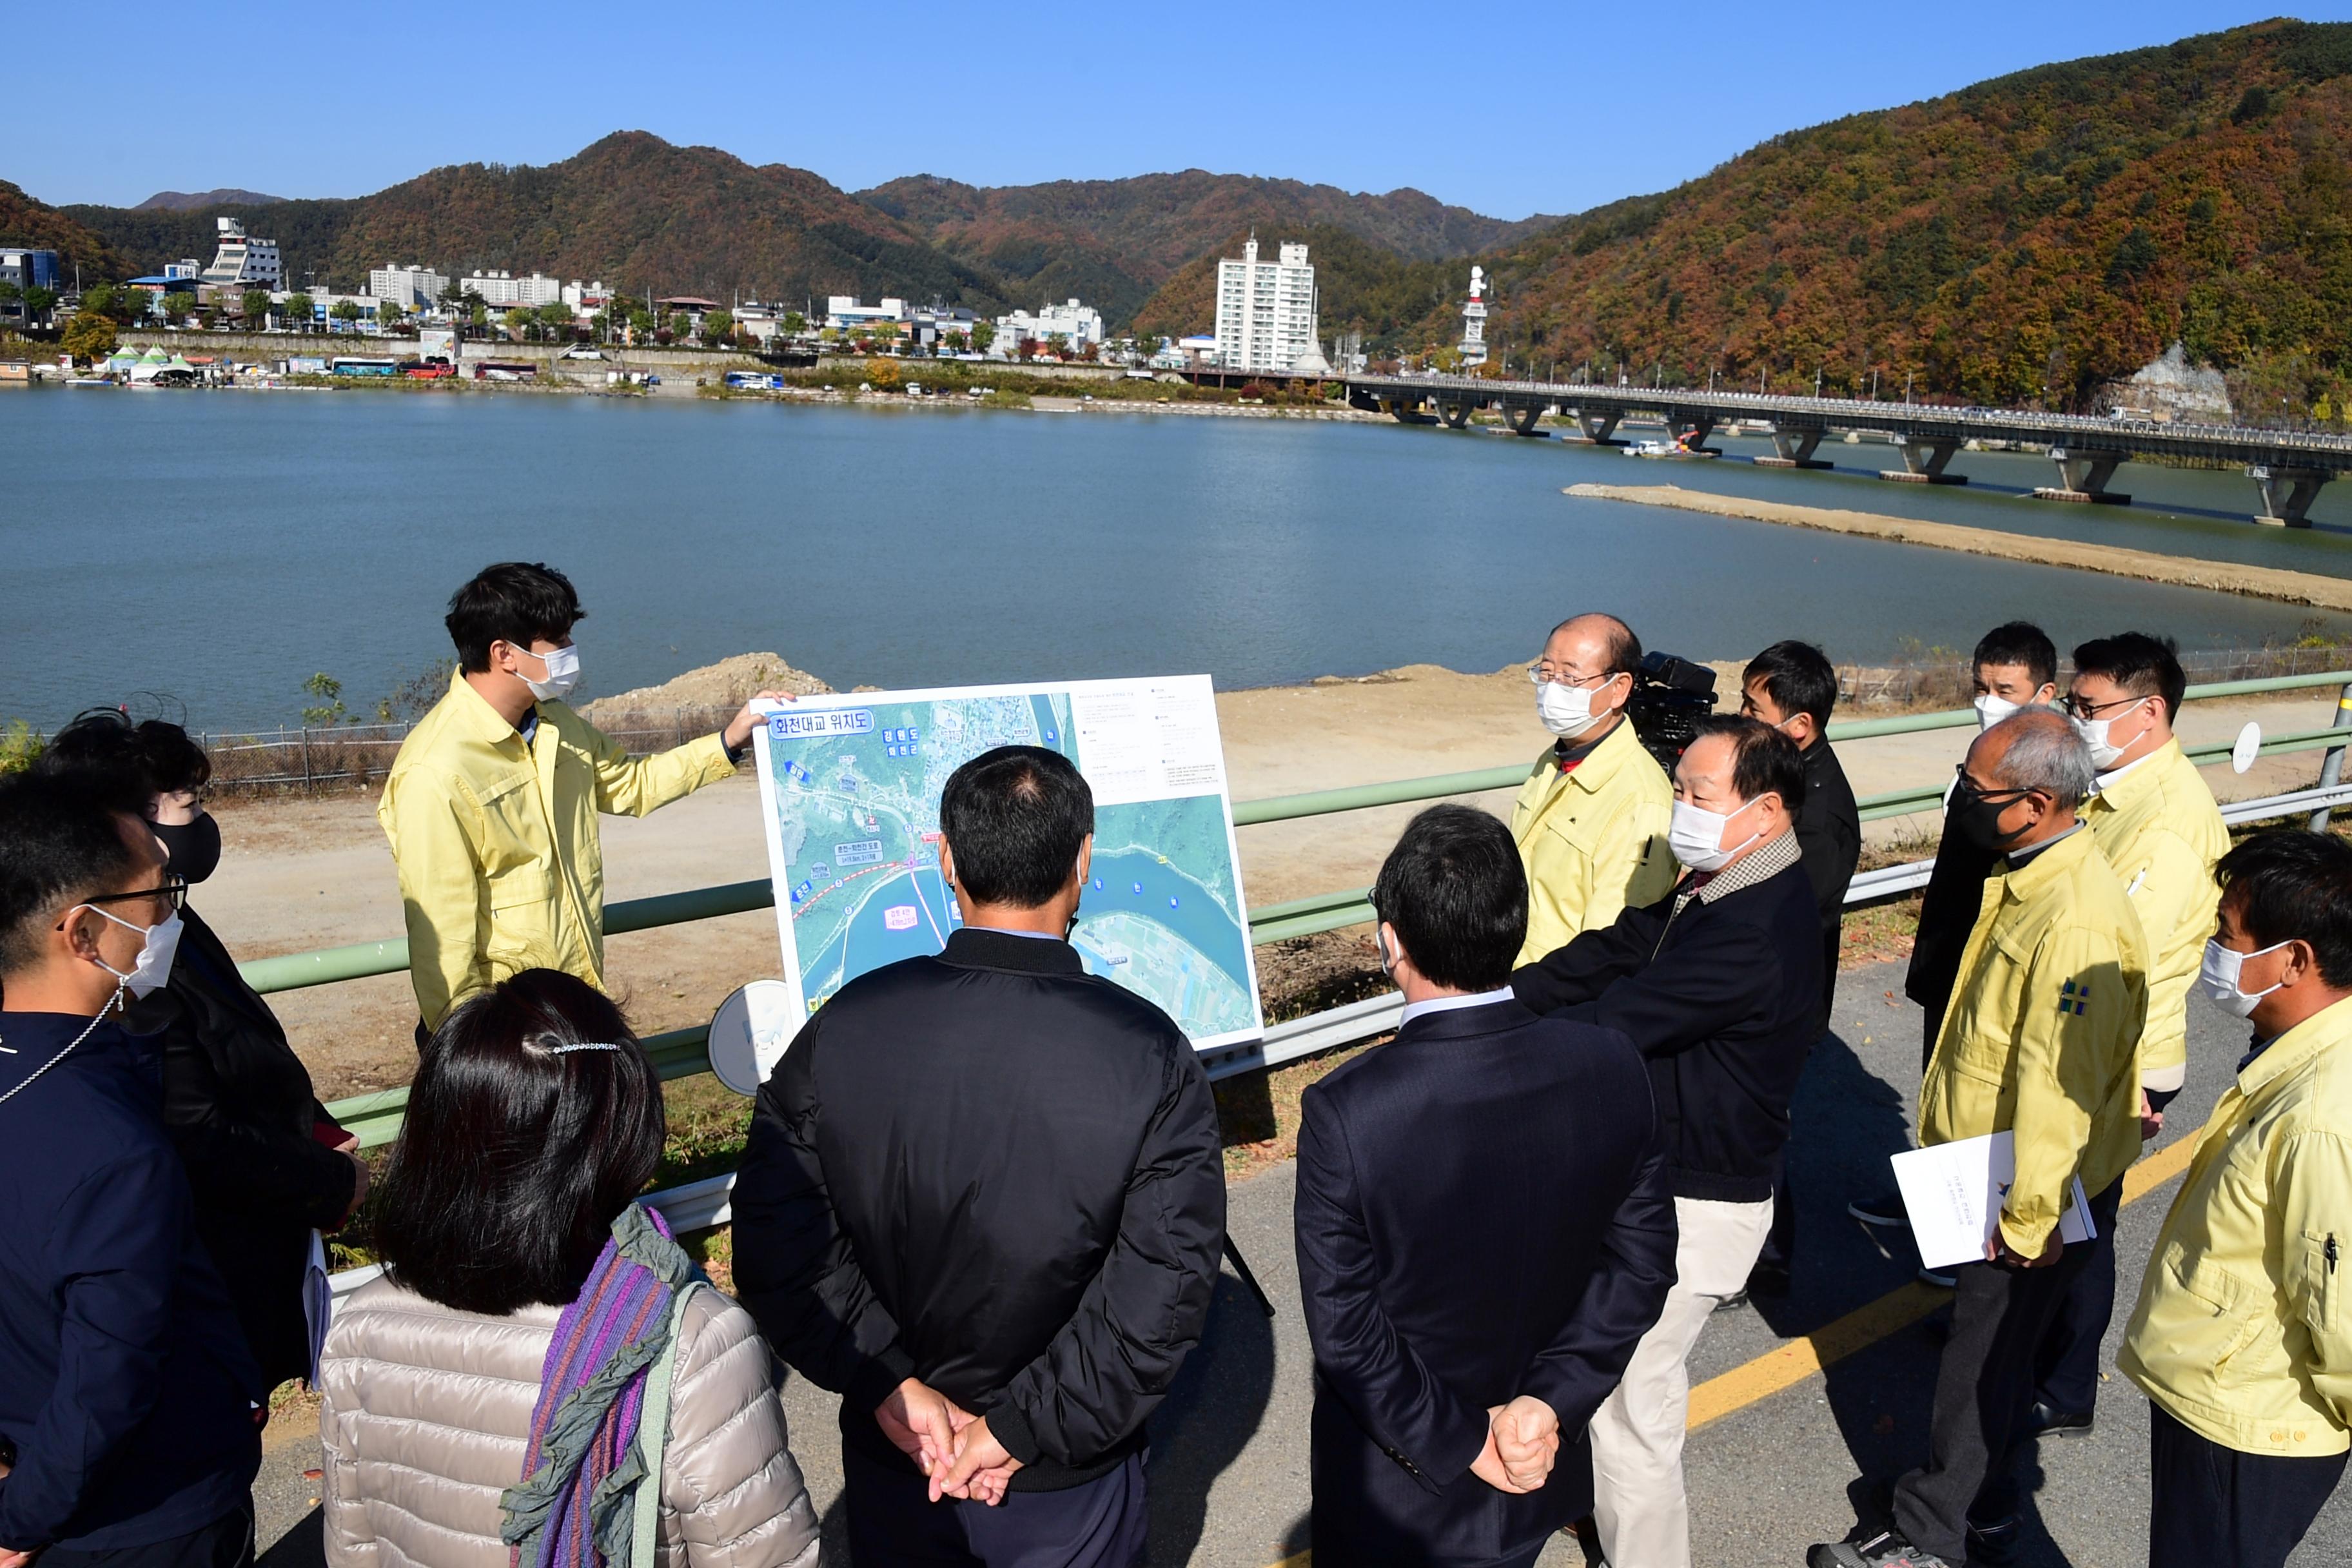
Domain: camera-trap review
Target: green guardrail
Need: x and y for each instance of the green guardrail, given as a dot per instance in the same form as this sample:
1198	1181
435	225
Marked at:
680	1053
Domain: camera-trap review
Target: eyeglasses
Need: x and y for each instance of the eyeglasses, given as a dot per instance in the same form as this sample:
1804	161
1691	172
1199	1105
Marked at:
1540	673
175	888
1968	786
2083	707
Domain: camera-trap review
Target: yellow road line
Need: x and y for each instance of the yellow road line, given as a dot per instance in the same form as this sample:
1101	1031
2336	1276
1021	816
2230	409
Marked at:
1798	1360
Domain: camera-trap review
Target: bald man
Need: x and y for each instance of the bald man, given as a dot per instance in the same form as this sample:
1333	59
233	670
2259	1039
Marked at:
1590	821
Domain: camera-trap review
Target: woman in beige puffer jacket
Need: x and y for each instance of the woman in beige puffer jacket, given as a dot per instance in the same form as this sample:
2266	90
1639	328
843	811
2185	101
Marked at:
534	1120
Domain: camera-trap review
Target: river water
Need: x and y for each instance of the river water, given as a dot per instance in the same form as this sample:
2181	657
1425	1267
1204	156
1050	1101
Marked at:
222	547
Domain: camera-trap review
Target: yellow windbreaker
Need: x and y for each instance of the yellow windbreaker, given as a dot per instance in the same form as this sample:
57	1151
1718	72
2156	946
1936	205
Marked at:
2241	1332
2159	828
501	868
1593	839
2042	1034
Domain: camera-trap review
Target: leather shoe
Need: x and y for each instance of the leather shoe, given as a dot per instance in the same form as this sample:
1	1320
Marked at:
2045	1420
1995	1545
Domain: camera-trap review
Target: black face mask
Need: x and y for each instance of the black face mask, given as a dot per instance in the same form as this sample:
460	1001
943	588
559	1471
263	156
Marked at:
1978	820
193	847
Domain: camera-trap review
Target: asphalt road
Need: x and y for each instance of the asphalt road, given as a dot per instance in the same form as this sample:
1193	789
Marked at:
1229	1473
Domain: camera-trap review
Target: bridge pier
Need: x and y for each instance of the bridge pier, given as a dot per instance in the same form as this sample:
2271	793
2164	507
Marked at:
1694	427
1456	411
1923	464
2083	477
1522	416
1793	448
2287	493
1601	428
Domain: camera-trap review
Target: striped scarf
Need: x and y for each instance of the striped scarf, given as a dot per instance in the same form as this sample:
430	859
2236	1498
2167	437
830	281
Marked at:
575	1506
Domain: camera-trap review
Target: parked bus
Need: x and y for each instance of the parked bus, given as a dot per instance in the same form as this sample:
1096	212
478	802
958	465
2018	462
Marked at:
354	364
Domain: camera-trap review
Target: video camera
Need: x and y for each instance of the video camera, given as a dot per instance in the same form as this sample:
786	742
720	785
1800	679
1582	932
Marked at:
1671	695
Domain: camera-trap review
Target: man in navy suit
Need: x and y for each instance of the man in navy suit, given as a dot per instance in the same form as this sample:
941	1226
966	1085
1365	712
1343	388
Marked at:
1484	1232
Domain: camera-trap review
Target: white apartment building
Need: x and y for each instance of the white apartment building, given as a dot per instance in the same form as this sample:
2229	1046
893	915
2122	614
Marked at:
411	288
1266	310
843	314
504	291
1082	324
585	298
241	261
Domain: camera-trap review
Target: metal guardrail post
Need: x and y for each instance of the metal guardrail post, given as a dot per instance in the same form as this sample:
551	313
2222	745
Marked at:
2331	766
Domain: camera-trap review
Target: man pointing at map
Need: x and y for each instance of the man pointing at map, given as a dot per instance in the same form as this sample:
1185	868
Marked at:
983	1199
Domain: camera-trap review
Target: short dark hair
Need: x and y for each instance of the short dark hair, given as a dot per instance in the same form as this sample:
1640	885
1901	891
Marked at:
2142	665
60	841
1798	677
1763	760
1455	891
2020	642
515	600
515	1158
128	762
1014	819
2288	884
1622	648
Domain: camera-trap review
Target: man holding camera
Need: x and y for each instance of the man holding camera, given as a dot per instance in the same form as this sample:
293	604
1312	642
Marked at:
1590	821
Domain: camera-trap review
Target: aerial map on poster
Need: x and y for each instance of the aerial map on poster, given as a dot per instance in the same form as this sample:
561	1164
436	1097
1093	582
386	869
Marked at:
850	790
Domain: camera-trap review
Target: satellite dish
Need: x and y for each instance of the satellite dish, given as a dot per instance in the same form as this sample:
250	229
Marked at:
2249	747
750	1033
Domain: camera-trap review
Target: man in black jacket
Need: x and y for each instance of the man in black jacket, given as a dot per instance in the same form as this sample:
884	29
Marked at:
1793	686
1718	984
984	1200
1461	1343
127	1398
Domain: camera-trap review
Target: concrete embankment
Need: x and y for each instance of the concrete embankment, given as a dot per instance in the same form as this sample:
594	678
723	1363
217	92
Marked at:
2254	582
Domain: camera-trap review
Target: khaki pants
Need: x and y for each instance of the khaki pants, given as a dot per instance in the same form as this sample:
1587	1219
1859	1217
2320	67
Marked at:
1638	1502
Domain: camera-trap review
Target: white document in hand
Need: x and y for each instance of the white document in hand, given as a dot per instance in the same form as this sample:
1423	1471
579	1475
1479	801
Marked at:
1954	1192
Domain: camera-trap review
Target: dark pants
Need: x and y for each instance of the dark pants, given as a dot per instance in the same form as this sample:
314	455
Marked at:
1096	1524
227	1542
1983	1387
1781	1242
2211	1506
2066	1370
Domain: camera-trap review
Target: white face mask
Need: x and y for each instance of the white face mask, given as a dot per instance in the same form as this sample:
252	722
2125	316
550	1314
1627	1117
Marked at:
153	966
2218	978
1566	710
1696	836
563	674
1992	709
2097	734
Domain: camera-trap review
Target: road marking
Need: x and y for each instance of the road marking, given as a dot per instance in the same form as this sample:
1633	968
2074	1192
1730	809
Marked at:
1800	1358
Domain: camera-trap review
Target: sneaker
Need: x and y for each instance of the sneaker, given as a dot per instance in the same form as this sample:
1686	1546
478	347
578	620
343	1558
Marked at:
1887	1549
1735	1302
1885	1211
1995	1545
2045	1420
1940	1280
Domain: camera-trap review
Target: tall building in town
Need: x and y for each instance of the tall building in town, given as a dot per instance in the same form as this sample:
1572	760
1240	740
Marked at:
1266	310
1473	321
504	291
411	288
241	261
1081	324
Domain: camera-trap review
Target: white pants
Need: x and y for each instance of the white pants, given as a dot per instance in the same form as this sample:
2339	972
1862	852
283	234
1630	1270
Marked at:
1638	1502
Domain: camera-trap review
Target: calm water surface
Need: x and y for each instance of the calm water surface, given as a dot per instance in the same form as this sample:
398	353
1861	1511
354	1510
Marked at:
222	547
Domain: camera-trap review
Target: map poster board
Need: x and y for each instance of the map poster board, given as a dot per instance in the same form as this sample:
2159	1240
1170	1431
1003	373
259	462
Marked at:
849	789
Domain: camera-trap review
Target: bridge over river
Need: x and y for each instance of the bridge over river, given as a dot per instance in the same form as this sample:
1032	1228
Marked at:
2287	466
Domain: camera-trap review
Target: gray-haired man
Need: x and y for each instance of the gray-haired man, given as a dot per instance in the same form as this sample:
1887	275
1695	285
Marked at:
2042	1040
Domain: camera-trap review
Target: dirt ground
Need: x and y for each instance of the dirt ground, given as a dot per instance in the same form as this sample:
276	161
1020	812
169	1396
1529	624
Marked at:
308	873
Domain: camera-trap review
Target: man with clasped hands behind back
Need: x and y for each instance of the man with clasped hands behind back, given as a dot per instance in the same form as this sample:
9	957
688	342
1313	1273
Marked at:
1484	1232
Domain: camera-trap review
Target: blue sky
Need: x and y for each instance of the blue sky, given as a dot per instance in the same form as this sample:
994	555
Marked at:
1507	110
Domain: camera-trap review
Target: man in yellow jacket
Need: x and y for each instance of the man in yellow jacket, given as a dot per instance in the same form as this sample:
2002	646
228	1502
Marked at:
2154	819
2243	1340
491	804
2041	1041
1591	819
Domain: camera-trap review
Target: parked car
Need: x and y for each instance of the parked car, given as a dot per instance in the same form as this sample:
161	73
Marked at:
584	350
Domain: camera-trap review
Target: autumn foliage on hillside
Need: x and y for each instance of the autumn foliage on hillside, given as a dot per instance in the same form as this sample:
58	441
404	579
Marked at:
36	225
2021	241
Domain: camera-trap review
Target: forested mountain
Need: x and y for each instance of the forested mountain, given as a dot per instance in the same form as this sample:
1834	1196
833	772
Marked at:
1115	242
632	210
24	221
2021	240
186	200
1361	286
